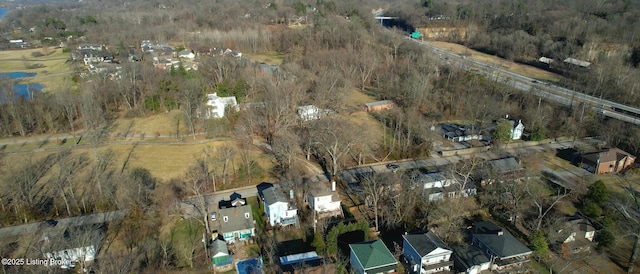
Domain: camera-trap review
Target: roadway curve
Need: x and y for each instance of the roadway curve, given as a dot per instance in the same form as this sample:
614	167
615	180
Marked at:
545	90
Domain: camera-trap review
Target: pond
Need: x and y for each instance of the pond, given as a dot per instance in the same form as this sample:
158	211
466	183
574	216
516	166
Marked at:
16	75
26	91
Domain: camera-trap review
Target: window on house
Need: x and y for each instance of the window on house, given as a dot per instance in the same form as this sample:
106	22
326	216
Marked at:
246	215
225	219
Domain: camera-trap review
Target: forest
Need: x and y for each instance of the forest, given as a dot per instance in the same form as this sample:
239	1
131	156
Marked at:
340	50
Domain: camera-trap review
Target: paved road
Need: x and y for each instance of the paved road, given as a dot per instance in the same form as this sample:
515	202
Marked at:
545	90
351	175
32	228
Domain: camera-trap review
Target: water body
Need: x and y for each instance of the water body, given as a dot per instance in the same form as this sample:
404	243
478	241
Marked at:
16	75
3	12
22	91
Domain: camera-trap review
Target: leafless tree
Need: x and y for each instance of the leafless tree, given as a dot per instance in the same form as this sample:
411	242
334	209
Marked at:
336	138
373	190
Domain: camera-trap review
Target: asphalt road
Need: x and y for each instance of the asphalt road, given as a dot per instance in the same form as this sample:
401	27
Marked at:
546	90
32	228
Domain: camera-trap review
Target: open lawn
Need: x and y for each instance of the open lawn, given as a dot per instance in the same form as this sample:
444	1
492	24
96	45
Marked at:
271	57
526	70
164	160
54	72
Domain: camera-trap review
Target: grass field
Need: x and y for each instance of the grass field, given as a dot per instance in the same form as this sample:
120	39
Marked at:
55	73
495	61
164	161
271	58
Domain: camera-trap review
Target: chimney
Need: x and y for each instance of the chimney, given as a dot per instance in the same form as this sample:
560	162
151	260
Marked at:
506	116
333	186
500	233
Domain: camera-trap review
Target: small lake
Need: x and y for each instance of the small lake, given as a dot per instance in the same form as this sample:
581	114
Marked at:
16	75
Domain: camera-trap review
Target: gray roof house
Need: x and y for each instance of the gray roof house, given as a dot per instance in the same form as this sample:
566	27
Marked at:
278	209
499	245
469	259
426	253
236	220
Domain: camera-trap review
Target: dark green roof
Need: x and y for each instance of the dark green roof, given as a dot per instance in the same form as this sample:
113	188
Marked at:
373	254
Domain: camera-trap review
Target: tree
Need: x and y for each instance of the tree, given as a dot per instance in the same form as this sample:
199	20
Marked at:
373	190
502	132
539	244
598	192
318	243
335	137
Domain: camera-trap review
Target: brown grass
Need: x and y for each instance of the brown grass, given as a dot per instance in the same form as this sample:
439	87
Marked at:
164	161
162	123
495	61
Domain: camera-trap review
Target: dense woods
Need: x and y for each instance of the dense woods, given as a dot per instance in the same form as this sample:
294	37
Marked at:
342	50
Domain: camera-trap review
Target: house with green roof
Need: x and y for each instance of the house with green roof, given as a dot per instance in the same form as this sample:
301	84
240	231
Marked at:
372	257
502	249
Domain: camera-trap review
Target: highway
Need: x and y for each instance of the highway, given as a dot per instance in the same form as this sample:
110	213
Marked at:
545	90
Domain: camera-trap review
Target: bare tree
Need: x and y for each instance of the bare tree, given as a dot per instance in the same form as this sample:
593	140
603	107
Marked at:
226	154
373	190
336	138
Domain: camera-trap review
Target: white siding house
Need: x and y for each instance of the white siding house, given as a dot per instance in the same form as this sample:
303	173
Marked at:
277	208
216	106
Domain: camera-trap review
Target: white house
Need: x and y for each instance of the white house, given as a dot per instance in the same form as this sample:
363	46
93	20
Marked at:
186	54
309	113
433	185
277	207
73	245
517	128
426	253
216	106
323	202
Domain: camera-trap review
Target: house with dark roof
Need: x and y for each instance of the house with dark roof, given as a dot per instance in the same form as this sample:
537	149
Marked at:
220	256
611	160
371	257
235	219
425	253
459	133
469	259
501	170
277	207
502	249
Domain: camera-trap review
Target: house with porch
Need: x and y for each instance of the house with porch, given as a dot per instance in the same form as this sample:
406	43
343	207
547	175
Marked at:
277	207
469	259
500	170
235	219
425	253
325	203
371	258
502	249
